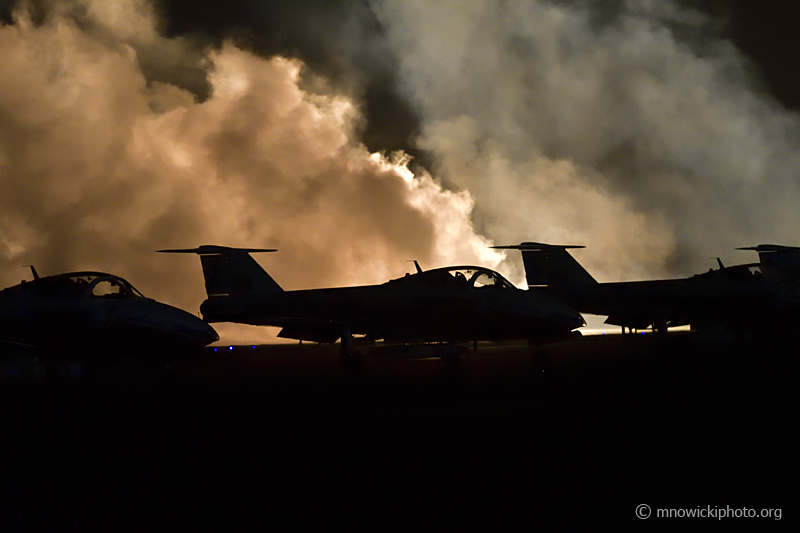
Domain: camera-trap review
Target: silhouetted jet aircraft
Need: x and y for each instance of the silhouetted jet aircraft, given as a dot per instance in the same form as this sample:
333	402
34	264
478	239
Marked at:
96	312
462	303
733	297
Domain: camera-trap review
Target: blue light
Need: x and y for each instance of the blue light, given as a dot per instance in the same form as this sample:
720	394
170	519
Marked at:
215	349
230	348
254	346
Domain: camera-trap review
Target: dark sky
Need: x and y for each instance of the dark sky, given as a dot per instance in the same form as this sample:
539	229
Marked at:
767	33
312	31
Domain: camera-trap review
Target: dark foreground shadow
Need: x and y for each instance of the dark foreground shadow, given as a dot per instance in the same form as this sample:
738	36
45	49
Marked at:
284	436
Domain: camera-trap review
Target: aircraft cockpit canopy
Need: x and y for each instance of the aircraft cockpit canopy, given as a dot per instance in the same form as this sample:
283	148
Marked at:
745	273
479	277
91	284
109	286
460	277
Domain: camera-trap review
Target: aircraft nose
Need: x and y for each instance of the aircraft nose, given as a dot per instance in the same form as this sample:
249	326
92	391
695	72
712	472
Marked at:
203	331
211	335
573	320
568	315
194	327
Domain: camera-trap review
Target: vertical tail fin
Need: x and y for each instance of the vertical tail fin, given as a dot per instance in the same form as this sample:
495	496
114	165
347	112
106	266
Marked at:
551	265
778	263
231	271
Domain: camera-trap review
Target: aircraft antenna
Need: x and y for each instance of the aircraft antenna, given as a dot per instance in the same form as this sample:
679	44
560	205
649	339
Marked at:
416	264
33	271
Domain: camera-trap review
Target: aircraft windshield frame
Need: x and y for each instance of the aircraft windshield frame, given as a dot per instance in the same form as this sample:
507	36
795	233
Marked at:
100	285
479	277
464	277
747	272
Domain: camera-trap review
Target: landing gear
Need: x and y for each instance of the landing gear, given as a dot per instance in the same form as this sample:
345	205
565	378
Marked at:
351	359
660	329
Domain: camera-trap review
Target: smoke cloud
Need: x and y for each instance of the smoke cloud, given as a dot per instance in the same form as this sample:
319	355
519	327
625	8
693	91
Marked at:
632	128
102	162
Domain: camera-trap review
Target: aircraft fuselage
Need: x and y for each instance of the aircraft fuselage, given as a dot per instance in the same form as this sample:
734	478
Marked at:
400	310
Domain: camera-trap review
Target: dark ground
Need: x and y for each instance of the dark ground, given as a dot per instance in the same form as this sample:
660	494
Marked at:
285	437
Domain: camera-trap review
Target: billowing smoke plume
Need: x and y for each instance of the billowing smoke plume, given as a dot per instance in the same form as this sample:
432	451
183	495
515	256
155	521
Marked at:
632	129
102	163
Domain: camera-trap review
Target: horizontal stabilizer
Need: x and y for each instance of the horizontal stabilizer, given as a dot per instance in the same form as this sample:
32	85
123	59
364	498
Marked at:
537	246
213	249
761	248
